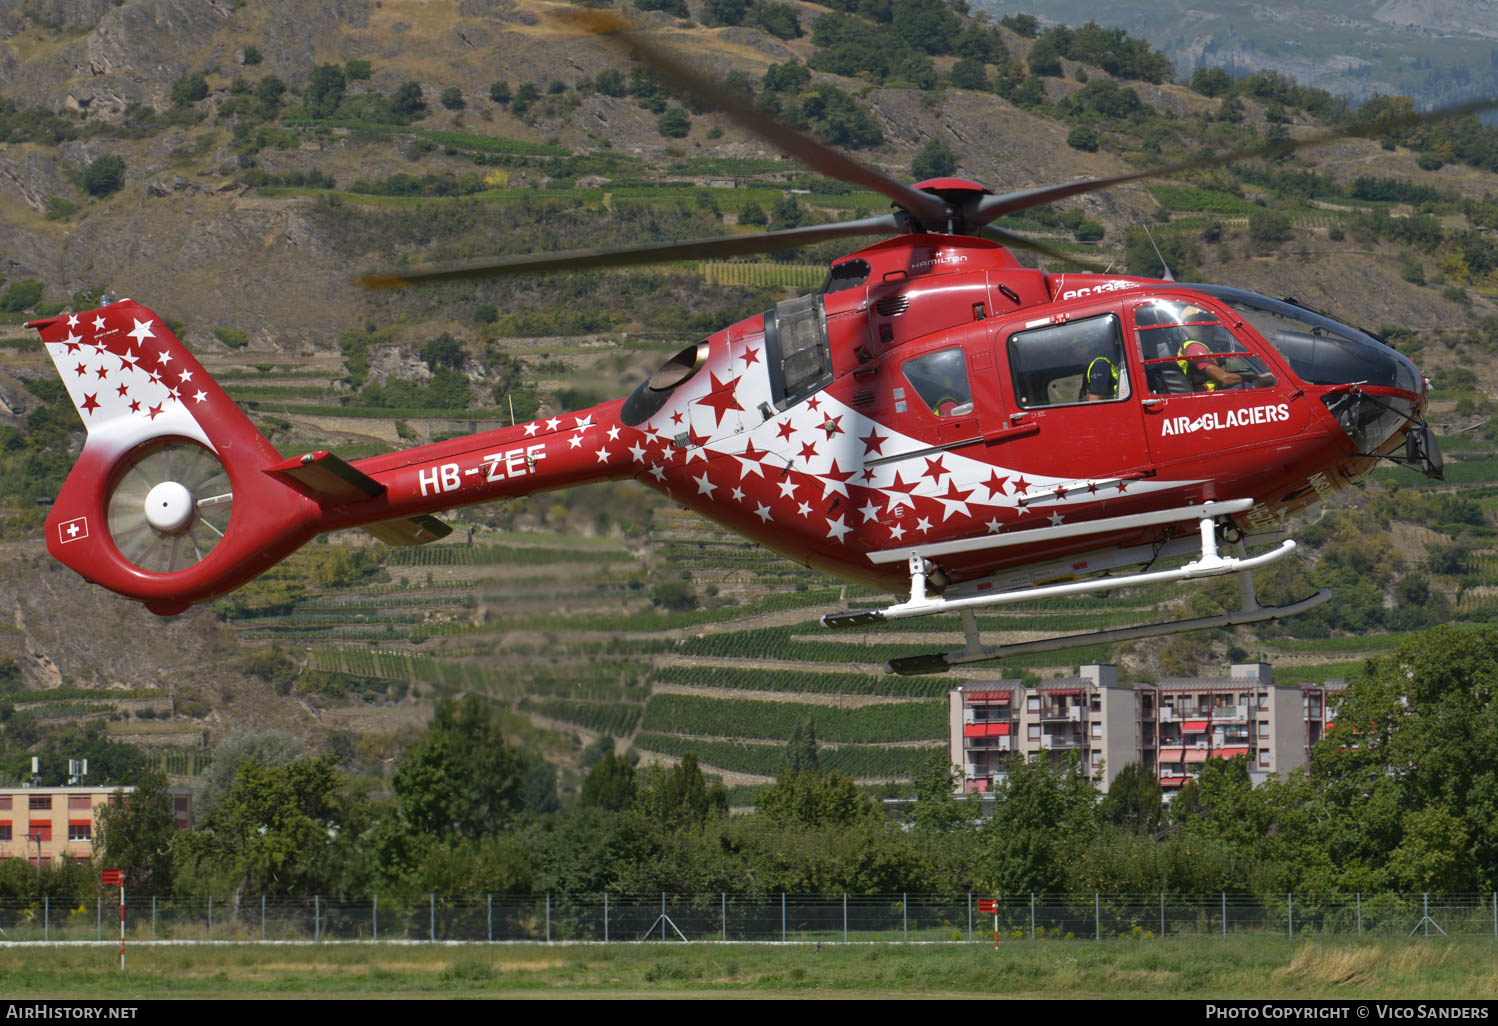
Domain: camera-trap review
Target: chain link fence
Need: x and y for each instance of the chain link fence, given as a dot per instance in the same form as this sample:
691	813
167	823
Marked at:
731	917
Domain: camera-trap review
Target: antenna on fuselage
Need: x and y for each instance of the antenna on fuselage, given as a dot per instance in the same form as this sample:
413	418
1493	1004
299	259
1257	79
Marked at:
1167	275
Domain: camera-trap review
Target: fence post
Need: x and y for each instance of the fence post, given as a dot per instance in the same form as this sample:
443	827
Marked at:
1425	914
153	917
317	917
489	915
262	917
782	917
1495	914
1097	916
432	917
1360	913
605	917
723	905
46	917
1290	912
969	915
210	917
99	916
905	914
375	916
845	917
1032	915
548	918
1224	913
1162	915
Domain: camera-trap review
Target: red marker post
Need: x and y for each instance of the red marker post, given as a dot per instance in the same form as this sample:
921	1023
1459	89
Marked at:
116	878
987	907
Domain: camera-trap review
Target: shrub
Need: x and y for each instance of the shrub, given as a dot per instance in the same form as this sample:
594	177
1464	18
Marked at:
23	295
231	338
356	70
1083	137
674	124
936	160
105	175
499	92
251	55
452	98
189	89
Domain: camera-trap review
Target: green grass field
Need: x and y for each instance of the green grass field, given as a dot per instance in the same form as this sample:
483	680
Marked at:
1243	968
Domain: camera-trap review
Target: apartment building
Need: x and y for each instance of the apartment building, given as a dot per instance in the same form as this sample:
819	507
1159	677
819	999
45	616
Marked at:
47	825
1171	729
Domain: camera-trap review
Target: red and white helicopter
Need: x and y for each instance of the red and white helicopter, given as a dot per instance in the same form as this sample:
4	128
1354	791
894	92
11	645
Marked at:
937	419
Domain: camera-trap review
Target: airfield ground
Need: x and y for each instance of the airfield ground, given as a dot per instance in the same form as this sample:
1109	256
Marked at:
1245	968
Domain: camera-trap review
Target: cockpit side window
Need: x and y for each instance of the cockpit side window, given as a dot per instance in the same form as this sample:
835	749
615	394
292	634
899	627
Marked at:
940	379
1187	349
1076	362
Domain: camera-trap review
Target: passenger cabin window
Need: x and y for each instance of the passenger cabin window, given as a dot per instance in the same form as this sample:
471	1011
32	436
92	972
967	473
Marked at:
940	379
1186	349
798	357
1077	362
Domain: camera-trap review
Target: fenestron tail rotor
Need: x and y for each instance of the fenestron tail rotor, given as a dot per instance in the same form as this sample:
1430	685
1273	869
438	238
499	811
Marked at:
170	507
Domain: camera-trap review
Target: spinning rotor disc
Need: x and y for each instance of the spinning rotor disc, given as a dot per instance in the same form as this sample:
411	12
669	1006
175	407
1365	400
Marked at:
170	507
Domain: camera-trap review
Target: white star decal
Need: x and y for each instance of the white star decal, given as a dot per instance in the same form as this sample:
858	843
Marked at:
658	472
72	339
531	429
638	452
787	489
994	526
1056	518
704	486
575	442
72	320
165	357
201	395
614	433
186	376
603	455
952	506
98	323
140	332
553	423
836	528
130	356
583	423
870	511
763	512
896	531
738	495
804	509
923	525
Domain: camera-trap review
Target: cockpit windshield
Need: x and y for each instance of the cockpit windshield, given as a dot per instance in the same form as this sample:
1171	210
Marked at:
1319	350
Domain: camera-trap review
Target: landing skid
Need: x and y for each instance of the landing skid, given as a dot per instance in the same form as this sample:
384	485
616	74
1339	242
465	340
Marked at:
973	595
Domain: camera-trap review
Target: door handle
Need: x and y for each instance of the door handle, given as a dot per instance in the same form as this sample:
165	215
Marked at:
1153	405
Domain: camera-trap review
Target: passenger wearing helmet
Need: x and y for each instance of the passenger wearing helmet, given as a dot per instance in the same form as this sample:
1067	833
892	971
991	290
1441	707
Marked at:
1206	374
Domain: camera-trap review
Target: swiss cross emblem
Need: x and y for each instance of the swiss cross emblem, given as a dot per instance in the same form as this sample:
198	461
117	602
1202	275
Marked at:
73	530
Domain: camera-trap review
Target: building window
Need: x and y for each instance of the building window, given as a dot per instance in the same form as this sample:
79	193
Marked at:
1263	730
80	801
1263	700
1032	704
5	802
39	801
5	832
1034	732
80	831
39	832
179	804
1097	730
1263	757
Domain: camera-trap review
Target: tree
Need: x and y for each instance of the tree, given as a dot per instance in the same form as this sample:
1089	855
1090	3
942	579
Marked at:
609	785
278	830
189	89
936	806
105	175
461	778
407	101
1084	137
325	87
811	799
1269	227
135	834
724	12
753	213
680	797
1210	81
1133	800
801	749
970	73
499	92
1039	811
674	124
271	748
935	160
452	98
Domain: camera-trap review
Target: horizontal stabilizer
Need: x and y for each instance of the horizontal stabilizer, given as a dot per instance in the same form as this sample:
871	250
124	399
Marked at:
417	530
328	478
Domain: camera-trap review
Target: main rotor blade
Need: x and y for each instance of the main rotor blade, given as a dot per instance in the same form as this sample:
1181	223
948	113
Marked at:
931	211
983	209
1014	241
623	256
